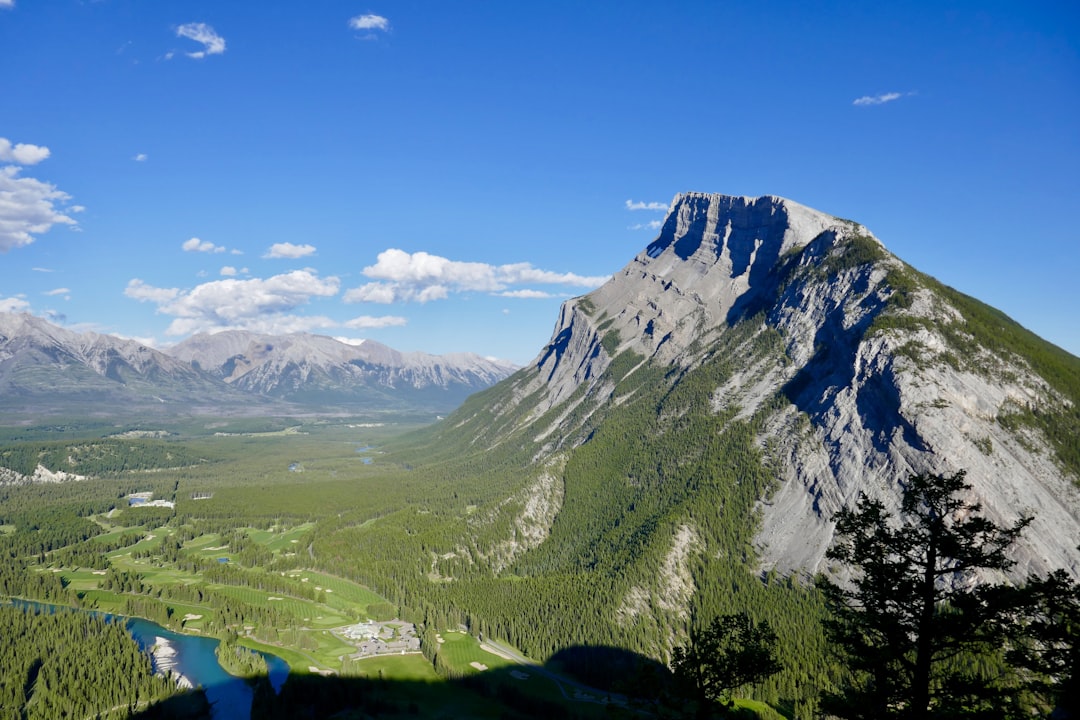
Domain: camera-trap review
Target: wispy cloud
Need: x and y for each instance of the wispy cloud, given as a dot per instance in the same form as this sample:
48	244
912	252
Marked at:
421	277
141	157
213	44
651	225
257	304
640	205
7	3
230	271
58	291
878	99
288	250
203	246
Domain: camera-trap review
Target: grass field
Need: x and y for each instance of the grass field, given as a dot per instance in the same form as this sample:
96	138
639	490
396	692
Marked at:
460	650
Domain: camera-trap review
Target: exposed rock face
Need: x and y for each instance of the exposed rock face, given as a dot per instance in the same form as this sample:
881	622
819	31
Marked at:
714	259
41	475
879	375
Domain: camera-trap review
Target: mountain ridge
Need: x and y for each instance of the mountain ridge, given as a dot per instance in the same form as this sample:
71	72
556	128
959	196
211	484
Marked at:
44	366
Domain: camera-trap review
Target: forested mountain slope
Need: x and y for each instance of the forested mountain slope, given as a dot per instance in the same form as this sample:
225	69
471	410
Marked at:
681	445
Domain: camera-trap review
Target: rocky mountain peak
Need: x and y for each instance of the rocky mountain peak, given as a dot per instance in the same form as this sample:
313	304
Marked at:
857	370
715	258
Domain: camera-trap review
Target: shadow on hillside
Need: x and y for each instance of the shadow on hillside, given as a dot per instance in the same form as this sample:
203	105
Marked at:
578	682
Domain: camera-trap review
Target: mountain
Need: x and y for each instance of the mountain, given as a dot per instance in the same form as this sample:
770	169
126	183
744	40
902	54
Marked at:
316	369
755	368
48	370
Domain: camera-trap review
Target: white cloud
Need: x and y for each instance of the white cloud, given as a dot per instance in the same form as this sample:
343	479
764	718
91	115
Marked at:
7	3
22	153
228	271
369	22
147	341
288	250
58	291
651	225
29	207
257	304
14	305
368	322
527	294
141	157
877	99
41	269
138	290
641	205
383	293
213	44
197	245
420	277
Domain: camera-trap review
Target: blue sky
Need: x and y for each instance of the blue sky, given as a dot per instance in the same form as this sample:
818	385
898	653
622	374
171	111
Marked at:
440	176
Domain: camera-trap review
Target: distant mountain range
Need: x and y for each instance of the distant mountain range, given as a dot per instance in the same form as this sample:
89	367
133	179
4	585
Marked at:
48	370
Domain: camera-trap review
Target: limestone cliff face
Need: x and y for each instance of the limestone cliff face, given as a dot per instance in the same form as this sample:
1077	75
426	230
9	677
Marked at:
879	376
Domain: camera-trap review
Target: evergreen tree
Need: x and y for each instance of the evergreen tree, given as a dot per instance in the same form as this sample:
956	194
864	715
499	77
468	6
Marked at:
1050	648
731	652
922	636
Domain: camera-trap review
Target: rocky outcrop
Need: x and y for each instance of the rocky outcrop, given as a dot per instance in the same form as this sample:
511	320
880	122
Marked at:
41	475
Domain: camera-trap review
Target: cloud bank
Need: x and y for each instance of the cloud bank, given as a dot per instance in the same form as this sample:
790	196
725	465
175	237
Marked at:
421	277
28	207
263	305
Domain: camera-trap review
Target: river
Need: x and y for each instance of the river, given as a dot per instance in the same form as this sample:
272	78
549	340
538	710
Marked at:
193	657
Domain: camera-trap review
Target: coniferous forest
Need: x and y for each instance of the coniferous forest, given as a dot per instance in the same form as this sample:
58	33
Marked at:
276	541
